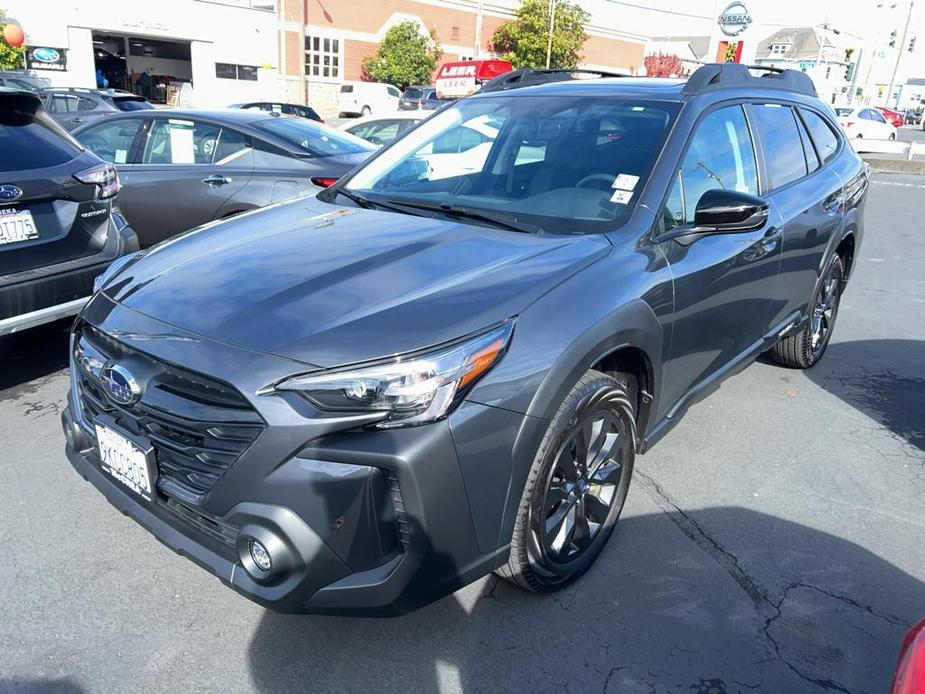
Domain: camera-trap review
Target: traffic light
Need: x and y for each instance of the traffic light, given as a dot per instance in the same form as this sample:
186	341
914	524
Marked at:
912	44
892	43
849	71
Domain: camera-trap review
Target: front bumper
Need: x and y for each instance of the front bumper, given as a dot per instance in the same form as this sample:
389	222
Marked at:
361	522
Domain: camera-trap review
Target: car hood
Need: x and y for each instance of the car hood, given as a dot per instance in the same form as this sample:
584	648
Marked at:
327	285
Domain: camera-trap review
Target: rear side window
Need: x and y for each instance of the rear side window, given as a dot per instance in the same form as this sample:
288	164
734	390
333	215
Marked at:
33	141
178	141
230	143
112	140
346	89
777	130
62	103
823	135
721	156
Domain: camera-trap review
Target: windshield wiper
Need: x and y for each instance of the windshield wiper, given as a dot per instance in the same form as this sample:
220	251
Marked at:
368	204
497	218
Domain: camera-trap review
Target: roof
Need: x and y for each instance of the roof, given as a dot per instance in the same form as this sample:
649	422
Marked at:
804	42
916	81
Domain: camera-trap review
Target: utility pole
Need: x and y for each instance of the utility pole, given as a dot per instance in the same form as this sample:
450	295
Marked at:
478	33
552	25
899	55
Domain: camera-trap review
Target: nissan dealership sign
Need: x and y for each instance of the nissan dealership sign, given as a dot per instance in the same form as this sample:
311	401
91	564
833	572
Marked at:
735	19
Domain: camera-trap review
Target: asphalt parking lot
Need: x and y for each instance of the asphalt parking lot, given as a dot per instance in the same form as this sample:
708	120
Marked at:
773	542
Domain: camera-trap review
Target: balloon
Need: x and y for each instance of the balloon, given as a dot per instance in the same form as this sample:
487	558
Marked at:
13	35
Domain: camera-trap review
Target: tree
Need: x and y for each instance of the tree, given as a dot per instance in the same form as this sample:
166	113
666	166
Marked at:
664	65
405	56
525	40
10	58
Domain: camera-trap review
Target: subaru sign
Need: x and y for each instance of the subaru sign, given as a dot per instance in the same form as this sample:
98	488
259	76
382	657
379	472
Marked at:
46	58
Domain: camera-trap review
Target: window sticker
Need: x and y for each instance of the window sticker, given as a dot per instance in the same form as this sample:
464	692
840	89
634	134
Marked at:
625	182
182	150
121	155
621	197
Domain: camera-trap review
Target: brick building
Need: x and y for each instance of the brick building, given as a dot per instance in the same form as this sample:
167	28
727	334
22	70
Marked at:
323	42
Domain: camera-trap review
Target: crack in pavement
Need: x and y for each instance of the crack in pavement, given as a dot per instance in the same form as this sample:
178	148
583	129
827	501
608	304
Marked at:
759	596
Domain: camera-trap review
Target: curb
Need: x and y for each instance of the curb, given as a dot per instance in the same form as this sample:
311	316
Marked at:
904	166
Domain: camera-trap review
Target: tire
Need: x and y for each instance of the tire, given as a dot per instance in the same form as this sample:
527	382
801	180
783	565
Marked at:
892	136
805	348
365	111
565	487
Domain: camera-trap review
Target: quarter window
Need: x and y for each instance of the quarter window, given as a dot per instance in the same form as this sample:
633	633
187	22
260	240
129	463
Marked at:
720	155
777	127
322	57
822	134
812	161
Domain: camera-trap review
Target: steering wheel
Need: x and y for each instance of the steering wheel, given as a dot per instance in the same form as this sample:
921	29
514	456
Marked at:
594	178
207	146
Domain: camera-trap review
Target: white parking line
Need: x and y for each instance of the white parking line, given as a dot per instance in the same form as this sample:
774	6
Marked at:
897	183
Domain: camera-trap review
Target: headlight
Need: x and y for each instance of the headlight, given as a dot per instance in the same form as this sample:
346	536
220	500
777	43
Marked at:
412	389
113	269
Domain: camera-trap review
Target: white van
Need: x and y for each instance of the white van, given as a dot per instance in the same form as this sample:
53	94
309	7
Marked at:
365	98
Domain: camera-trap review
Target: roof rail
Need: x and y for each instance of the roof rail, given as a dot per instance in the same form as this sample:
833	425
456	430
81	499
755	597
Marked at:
724	75
527	77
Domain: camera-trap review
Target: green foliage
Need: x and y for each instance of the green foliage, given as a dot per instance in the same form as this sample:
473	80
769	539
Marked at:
524	40
10	58
405	56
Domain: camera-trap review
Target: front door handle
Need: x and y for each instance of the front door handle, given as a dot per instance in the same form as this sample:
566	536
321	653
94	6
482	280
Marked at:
216	180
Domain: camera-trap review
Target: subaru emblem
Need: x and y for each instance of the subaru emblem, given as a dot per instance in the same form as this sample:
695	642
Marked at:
9	192
120	385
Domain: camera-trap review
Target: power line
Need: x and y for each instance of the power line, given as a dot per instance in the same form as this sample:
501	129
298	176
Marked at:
655	9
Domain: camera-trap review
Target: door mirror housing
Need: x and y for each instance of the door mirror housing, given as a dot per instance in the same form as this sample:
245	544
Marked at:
729	211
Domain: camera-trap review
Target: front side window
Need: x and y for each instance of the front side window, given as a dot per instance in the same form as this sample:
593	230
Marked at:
180	141
720	156
563	164
62	103
111	140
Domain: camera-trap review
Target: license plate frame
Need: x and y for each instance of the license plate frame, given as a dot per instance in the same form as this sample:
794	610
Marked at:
126	458
10	233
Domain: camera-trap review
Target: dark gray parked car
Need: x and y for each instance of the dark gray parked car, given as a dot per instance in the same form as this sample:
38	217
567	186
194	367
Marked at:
180	169
22	80
446	363
73	107
59	228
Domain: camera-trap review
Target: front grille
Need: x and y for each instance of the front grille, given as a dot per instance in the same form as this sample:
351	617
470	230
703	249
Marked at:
198	426
223	533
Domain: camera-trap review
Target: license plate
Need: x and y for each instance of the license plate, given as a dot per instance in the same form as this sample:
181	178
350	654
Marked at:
126	461
17	226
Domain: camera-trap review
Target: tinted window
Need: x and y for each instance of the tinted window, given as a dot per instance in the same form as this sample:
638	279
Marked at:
176	141
29	142
111	140
720	155
825	139
393	92
312	138
346	89
812	161
777	128
229	144
843	112
673	212
132	104
412	93
62	103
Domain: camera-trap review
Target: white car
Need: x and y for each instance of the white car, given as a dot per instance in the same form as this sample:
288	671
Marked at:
381	129
865	122
365	98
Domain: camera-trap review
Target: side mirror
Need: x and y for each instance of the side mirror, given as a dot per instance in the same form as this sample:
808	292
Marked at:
729	211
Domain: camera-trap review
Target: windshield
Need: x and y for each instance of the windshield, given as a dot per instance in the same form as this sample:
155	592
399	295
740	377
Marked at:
566	165
842	112
312	138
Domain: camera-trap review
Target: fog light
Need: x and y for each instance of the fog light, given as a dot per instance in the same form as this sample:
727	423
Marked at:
260	555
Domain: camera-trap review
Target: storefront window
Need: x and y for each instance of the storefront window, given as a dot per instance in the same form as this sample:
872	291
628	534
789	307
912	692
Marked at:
322	57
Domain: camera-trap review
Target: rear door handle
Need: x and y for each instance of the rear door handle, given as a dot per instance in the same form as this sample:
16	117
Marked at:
216	180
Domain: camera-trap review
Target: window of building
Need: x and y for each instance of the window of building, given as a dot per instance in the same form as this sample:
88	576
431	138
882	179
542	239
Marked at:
778	131
226	71
323	57
779	48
